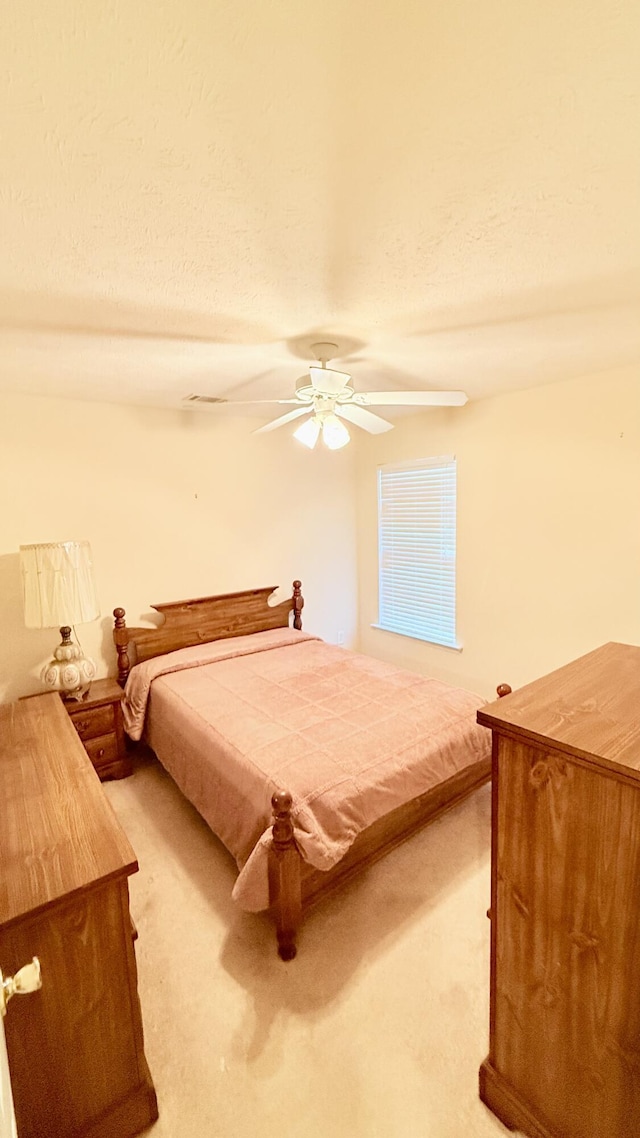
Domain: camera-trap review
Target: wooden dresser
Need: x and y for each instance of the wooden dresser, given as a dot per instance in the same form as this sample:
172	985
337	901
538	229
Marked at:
564	1059
75	1047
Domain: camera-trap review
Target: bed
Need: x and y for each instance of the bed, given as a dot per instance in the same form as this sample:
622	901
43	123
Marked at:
307	760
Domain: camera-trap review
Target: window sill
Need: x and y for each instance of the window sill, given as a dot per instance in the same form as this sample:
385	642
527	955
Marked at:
416	636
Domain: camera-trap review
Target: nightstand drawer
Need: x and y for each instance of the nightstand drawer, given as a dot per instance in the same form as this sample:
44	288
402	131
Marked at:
93	721
102	751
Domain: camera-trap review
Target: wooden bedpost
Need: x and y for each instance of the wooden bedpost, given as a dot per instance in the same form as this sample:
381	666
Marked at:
298	604
121	639
503	689
284	878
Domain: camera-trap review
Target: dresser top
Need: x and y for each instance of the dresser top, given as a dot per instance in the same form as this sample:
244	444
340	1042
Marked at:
58	833
589	708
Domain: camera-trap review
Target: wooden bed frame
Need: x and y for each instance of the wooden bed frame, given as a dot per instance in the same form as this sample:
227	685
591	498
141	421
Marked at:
294	885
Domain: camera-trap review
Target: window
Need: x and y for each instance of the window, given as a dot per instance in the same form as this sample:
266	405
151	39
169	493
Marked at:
417	549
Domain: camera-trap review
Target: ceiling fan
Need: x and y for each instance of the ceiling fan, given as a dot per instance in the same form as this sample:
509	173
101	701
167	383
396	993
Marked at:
326	397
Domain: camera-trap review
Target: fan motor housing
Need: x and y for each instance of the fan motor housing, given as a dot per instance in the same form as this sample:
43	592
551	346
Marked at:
307	393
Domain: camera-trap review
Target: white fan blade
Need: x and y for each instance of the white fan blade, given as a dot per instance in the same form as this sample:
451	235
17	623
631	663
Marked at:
328	381
217	401
282	420
365	419
411	398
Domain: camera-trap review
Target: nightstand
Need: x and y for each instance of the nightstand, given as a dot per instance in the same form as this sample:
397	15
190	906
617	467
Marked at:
98	721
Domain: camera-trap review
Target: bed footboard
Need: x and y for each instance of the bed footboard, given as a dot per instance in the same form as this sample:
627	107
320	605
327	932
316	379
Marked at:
285	876
294	884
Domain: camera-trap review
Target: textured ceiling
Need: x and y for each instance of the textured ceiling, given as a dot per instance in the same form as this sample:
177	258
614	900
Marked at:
193	191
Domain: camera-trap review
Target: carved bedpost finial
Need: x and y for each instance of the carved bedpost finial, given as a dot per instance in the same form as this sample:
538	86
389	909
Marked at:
503	689
121	640
282	829
298	604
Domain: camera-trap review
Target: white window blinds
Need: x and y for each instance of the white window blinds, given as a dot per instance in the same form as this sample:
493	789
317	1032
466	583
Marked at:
417	549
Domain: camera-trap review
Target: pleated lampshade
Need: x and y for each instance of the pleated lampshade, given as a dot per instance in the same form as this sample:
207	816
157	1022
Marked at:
58	585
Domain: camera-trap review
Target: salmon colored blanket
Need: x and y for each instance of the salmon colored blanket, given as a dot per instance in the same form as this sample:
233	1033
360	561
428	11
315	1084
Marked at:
349	736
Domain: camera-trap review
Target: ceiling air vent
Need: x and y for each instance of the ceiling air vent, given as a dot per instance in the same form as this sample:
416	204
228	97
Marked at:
203	399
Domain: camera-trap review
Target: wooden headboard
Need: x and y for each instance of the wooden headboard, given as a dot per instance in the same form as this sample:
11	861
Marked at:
201	620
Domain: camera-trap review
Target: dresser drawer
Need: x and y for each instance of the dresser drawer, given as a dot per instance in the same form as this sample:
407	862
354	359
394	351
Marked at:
102	751
90	722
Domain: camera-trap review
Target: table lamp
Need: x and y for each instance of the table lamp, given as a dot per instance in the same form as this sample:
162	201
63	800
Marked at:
58	589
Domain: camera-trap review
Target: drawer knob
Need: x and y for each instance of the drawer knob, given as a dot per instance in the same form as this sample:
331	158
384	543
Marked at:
100	753
82	724
28	979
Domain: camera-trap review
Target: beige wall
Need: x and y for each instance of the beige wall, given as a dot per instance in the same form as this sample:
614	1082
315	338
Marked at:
548	528
175	505
180	504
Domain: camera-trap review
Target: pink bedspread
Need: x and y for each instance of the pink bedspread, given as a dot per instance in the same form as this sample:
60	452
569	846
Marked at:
349	736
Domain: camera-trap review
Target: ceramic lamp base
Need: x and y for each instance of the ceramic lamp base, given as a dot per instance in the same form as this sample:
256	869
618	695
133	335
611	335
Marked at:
70	672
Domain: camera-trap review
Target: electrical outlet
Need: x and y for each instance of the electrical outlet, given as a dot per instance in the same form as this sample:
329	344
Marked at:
340	638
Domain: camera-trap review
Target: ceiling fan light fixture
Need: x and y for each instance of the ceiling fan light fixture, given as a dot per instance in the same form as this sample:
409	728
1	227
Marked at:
326	397
334	433
308	432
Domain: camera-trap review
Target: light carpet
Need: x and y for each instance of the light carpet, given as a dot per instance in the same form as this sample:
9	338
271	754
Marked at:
375	1030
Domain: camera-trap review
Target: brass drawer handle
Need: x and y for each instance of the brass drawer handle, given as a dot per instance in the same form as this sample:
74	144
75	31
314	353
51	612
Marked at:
28	979
82	724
